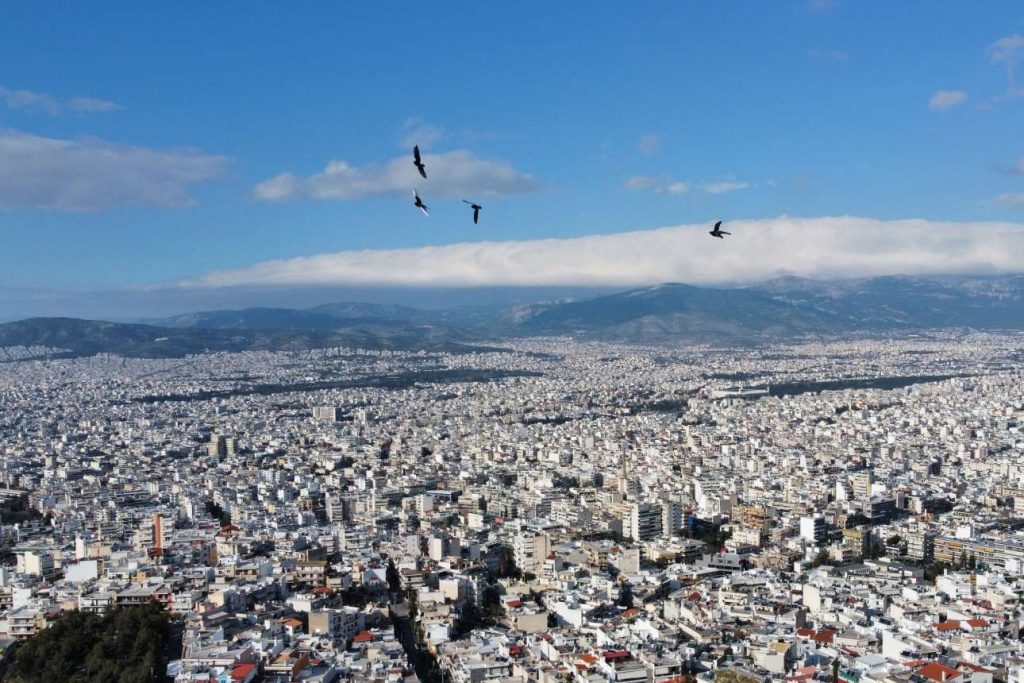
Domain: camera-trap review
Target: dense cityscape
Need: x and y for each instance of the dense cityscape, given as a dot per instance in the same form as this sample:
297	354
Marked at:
551	510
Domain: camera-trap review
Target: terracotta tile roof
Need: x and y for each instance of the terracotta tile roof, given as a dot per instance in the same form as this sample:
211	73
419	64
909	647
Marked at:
240	672
939	672
951	625
825	636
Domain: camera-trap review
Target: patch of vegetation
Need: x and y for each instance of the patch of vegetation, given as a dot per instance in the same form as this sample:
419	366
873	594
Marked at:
217	512
126	645
18	511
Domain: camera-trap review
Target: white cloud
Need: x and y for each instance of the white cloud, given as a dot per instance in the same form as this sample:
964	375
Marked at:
650	144
642	182
666	185
1010	199
812	247
29	100
91	174
92	104
50	105
1008	50
450	174
947	99
661	185
724	186
416	131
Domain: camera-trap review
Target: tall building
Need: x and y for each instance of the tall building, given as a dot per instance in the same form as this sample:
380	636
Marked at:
623	473
221	445
921	545
643	522
671	518
813	529
861	483
35	561
529	549
327	413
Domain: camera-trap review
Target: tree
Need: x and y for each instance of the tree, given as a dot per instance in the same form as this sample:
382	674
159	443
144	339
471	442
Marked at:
393	577
625	596
821	558
218	513
126	644
492	603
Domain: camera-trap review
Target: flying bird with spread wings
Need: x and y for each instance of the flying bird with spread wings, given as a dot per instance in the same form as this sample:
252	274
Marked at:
419	203
718	232
476	211
418	162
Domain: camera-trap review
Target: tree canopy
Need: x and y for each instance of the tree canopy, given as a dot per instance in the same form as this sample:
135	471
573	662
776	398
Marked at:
125	645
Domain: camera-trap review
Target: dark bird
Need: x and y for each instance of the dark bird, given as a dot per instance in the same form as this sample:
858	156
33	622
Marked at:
419	202
718	232
476	210
417	161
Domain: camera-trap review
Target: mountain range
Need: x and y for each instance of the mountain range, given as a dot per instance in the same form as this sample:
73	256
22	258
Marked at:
781	309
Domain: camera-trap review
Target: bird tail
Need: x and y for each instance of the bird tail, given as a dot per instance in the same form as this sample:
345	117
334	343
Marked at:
725	233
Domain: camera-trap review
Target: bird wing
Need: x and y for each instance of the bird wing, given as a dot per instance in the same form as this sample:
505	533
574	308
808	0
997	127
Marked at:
423	171
476	215
718	224
468	202
416	153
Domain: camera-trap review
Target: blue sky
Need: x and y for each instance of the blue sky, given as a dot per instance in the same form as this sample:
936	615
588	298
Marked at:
585	118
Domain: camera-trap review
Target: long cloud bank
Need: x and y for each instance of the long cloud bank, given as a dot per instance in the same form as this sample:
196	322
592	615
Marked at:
91	174
758	249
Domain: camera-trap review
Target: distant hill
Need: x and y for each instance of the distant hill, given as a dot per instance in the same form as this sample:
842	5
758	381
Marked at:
325	317
900	302
777	310
786	308
675	311
252	319
89	337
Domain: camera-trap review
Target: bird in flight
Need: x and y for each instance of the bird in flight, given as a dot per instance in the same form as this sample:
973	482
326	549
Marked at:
419	202
476	210
417	161
718	232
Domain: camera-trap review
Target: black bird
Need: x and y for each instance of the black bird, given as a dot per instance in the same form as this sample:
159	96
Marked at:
417	162
476	210
419	202
718	232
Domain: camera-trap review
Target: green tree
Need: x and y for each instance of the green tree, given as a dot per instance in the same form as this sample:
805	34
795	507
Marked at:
126	645
393	577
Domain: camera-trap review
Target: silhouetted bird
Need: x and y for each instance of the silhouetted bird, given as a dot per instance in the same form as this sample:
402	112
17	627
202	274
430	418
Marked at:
476	210
419	202
718	232
417	162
